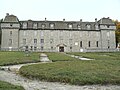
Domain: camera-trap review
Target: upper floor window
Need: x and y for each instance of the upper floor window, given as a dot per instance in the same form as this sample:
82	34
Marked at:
24	25
35	41
43	26
10	33
78	26
52	26
42	41
88	26
70	26
35	25
24	41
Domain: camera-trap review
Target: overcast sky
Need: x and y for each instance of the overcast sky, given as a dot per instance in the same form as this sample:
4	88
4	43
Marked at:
71	10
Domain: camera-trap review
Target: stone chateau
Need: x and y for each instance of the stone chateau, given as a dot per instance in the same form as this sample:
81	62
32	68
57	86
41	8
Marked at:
57	36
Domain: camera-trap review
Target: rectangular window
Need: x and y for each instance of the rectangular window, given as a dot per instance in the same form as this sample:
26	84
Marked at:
42	41
80	43
89	44
70	47
35	41
42	47
10	42
24	41
10	33
97	44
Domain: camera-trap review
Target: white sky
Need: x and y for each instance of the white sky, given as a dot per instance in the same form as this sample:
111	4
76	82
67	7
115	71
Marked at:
71	10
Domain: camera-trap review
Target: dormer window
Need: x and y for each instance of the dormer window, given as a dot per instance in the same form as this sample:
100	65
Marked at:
35	25
96	27
78	26
88	26
52	26
24	25
70	26
43	26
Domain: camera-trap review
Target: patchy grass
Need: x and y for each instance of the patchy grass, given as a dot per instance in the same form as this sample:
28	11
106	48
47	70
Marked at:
60	57
8	86
106	71
9	58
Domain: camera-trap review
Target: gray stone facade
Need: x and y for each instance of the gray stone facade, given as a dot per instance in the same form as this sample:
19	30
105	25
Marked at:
58	36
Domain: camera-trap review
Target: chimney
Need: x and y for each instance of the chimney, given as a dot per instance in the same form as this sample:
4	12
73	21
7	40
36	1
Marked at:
45	19
64	20
7	14
95	19
81	20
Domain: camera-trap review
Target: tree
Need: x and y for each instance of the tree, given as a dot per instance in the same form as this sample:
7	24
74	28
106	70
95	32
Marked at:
117	32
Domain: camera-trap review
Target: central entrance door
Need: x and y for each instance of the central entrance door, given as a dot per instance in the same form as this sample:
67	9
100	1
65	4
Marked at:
61	49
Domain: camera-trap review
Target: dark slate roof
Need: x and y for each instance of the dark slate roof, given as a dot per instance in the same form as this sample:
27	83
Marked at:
58	24
106	21
11	18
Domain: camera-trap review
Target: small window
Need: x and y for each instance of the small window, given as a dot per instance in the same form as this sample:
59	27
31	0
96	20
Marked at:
42	41
11	25
70	26
10	33
10	42
70	47
51	48
24	41
35	41
89	44
80	43
97	44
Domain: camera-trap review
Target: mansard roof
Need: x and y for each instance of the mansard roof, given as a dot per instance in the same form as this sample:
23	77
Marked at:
30	24
10	18
106	21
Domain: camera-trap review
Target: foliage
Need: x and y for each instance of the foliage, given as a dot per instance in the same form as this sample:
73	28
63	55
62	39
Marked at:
117	31
8	86
59	57
9	58
106	71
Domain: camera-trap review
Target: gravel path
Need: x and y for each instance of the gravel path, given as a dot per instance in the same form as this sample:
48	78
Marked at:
38	85
8	74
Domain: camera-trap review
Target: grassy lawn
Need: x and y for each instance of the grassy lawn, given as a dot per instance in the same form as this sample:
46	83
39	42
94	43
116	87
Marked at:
8	86
9	58
60	57
101	71
99	56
